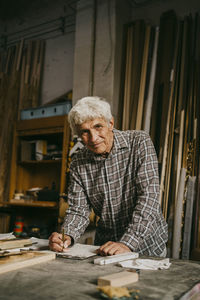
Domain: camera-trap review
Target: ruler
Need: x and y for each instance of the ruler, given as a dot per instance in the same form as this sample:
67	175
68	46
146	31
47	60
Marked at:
115	258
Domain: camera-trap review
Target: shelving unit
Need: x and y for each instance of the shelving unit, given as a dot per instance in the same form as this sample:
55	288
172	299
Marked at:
48	173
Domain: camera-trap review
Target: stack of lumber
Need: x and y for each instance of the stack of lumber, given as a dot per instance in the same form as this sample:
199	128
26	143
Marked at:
14	243
15	254
161	93
4	222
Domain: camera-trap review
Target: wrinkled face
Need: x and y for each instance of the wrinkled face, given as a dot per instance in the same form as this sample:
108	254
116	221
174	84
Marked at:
97	135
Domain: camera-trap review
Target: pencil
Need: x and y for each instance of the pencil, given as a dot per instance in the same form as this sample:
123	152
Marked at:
63	236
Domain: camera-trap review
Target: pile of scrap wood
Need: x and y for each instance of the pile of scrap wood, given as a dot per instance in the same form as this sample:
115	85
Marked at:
16	253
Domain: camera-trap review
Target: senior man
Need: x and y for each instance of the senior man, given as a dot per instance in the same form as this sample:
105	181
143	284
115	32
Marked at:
116	174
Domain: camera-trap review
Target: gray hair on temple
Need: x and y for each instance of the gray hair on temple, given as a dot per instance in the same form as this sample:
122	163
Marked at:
88	108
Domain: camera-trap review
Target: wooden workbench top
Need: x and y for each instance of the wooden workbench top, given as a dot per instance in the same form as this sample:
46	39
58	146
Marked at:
67	279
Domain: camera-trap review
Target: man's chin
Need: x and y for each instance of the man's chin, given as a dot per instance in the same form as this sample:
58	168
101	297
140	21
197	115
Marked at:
97	150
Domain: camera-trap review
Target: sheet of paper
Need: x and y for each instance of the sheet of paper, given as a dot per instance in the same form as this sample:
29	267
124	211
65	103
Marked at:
39	244
7	236
79	251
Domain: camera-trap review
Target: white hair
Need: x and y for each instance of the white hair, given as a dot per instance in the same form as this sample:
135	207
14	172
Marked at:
88	108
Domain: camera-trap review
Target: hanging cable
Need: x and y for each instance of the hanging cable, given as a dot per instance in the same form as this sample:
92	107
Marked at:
141	3
62	25
110	38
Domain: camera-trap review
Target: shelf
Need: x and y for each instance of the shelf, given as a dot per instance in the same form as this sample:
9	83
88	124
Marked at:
46	125
33	203
40	132
38	162
27	172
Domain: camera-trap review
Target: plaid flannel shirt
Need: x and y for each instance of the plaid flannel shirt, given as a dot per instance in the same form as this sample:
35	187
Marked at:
123	190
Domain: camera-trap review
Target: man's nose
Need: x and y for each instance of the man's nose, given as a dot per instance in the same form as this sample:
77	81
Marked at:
93	136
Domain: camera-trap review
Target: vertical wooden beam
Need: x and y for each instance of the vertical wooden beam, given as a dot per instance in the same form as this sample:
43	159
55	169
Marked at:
143	79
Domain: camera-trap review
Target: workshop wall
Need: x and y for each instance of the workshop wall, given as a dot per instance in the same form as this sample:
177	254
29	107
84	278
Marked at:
99	43
98	49
96	67
152	10
45	20
58	67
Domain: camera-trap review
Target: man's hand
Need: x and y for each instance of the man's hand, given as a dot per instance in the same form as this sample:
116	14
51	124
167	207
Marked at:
112	248
56	243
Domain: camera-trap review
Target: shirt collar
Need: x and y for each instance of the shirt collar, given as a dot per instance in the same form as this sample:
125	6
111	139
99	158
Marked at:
119	140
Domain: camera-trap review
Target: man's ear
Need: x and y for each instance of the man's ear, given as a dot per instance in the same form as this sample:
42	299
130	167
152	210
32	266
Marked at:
111	123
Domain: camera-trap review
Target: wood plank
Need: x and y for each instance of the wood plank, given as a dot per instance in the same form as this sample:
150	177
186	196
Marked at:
40	64
178	216
21	91
14	243
149	100
28	62
15	145
16	262
166	48
185	84
138	49
66	141
169	48
126	108
35	86
143	79
19	57
169	134
118	279
35	62
40	162
169	160
188	217
14	64
42	123
8	58
196	217
11	105
32	203
180	150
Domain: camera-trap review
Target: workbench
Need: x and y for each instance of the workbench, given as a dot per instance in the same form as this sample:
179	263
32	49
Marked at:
67	279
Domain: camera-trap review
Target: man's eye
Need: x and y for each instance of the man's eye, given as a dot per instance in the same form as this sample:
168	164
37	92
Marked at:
84	132
98	126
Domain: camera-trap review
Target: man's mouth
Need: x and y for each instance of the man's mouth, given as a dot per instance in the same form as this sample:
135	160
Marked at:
95	145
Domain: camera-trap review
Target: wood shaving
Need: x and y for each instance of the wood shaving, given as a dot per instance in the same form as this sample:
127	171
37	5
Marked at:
112	291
